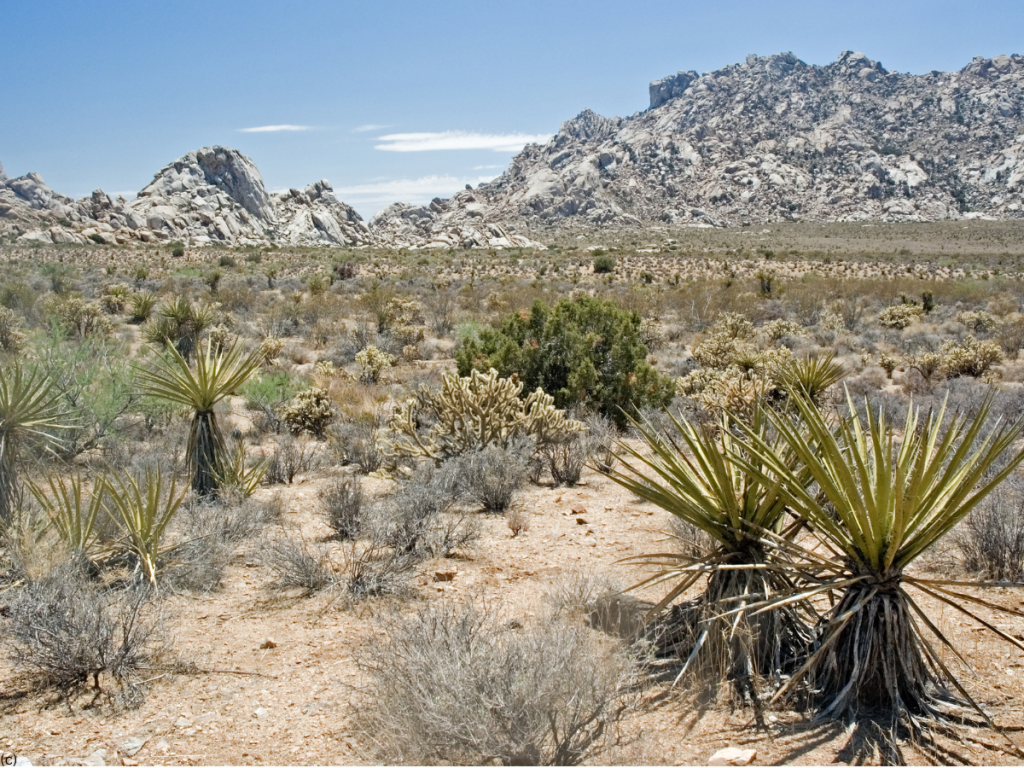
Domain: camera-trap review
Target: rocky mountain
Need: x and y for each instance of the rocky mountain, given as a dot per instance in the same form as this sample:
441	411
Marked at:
767	140
776	139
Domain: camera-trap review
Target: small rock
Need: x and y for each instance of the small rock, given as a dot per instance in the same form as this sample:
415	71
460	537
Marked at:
131	745
261	713
580	511
445	575
581	521
161	746
268	643
733	756
22	762
128	761
183	722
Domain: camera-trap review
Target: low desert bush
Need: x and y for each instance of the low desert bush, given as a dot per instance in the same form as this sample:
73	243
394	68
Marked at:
419	517
290	457
342	503
492	476
68	637
899	316
356	443
991	539
12	339
455	685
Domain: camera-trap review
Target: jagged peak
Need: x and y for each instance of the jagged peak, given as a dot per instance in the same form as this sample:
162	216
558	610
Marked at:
3	175
588	125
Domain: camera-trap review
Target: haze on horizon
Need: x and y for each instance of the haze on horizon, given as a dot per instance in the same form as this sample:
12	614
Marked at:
390	101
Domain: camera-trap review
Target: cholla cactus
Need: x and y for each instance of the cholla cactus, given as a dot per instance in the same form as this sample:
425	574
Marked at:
220	337
115	298
978	321
971	358
271	347
928	364
899	316
471	412
373	362
888	363
12	340
309	411
79	317
774	330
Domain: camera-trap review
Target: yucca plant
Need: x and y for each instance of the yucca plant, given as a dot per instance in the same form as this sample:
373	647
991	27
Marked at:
73	515
143	512
696	474
31	413
141	306
811	376
234	475
216	375
883	498
180	323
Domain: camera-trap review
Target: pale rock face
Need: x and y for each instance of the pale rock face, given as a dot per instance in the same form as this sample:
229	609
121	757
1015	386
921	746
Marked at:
776	139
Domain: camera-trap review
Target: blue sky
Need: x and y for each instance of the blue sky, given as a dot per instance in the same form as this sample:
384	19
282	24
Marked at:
102	94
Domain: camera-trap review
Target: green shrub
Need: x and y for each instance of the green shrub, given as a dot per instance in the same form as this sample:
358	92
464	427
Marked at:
603	264
580	351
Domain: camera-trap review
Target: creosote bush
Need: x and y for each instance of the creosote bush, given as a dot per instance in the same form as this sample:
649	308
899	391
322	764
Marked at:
580	351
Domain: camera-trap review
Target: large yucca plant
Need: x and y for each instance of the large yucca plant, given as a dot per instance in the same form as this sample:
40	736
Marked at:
216	375
883	498
810	377
696	474
143	512
31	412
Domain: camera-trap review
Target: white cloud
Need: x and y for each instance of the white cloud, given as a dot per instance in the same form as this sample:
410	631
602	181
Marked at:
369	127
274	128
418	191
428	142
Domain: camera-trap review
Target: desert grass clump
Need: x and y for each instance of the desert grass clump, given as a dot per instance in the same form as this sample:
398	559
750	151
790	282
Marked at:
880	502
217	374
32	414
459	686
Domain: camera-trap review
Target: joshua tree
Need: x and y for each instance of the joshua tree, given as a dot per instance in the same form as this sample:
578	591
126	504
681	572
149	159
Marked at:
217	374
30	414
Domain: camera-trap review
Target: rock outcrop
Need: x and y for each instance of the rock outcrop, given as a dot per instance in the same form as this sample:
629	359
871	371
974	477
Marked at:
212	195
774	139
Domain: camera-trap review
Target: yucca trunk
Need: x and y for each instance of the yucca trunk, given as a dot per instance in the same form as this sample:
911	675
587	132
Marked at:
874	665
205	450
8	481
720	641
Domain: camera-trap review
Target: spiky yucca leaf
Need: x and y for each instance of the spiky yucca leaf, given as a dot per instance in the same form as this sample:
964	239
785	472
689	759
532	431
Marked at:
30	413
143	514
71	515
886	497
700	480
234	475
217	374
